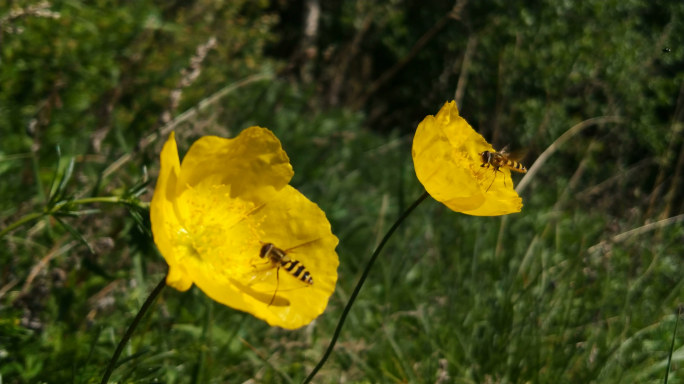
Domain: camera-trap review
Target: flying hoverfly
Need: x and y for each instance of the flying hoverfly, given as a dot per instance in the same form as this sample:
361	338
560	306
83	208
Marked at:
280	259
501	159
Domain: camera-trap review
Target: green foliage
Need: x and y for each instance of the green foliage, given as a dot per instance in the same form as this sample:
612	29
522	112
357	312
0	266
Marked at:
561	292
98	76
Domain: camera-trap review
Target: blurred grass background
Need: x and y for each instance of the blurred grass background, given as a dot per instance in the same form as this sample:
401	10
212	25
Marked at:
582	286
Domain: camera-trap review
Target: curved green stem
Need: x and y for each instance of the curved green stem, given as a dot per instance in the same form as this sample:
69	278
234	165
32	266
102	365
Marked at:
22	221
362	280
101	199
58	206
129	332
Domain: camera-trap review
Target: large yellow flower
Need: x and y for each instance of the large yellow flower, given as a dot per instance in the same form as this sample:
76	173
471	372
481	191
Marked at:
446	156
215	216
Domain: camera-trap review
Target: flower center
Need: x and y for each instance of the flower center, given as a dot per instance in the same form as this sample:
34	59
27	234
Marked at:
220	232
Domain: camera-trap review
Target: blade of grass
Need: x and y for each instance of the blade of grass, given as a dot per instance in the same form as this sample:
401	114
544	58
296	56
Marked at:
129	332
57	192
75	234
674	337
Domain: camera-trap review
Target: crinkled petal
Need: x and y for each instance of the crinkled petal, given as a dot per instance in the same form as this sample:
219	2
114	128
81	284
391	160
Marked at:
446	160
211	221
165	223
442	160
247	163
500	199
299	227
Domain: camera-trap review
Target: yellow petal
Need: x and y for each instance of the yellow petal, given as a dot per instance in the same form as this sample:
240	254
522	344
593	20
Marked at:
248	162
299	227
212	215
447	162
500	199
163	214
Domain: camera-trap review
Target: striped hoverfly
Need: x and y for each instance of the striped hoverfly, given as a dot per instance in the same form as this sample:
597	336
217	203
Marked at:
279	259
501	159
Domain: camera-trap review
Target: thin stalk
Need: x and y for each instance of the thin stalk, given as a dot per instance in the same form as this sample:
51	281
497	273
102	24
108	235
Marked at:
22	221
58	206
359	285
567	135
129	332
674	337
101	199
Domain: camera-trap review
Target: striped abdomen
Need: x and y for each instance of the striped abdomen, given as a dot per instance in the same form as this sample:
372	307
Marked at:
514	166
280	259
297	269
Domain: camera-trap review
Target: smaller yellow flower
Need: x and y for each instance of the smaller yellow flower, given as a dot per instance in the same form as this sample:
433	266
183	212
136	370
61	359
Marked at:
215	216
446	157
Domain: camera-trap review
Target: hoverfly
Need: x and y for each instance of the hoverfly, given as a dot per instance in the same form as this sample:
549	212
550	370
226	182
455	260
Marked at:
280	259
500	159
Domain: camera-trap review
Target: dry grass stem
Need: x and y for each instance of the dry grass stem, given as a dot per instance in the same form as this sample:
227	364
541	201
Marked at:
560	141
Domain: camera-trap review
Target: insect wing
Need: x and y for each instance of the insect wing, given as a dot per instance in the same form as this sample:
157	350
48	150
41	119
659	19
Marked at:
517	155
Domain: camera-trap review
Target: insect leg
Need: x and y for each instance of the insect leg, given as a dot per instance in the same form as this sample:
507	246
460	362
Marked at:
277	284
496	169
261	267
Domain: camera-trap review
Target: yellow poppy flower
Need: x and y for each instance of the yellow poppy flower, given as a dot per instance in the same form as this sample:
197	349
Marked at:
227	221
446	157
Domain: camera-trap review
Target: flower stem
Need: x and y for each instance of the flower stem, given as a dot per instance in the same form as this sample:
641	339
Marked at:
362	280
20	222
58	206
129	332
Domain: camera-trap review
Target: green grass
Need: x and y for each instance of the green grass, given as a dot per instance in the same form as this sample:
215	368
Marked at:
514	299
582	286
